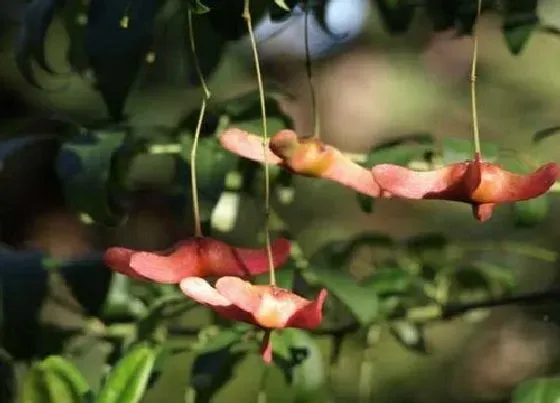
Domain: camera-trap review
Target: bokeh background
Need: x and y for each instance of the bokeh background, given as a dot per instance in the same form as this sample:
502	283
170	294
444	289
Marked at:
371	87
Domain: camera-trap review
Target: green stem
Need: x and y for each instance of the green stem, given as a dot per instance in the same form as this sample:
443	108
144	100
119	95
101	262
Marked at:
247	16
476	134
206	96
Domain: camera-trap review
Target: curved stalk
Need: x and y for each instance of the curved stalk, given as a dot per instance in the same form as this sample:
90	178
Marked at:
247	16
206	96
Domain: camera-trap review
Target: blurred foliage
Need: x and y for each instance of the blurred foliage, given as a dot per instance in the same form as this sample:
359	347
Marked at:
407	284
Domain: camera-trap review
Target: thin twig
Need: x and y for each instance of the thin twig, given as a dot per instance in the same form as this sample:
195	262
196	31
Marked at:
476	134
247	17
206	96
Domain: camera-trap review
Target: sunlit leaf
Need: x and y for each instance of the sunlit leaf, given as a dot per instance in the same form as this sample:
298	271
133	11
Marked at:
55	380
129	378
540	390
361	301
299	357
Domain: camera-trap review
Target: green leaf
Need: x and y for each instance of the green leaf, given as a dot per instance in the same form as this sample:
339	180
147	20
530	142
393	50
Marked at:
529	213
284	277
116	40
338	253
128	380
365	202
197	7
274	125
163	309
225	338
74	20
396	15
282	4
247	106
91	168
55	380
297	354
401	151
361	301
459	150
8	383
214	364
442	13
388	281
517	29
545	133
120	303
213	163
409	335
540	390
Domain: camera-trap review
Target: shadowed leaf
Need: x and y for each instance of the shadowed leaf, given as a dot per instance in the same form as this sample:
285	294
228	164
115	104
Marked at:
30	46
214	364
396	15
91	168
117	37
299	357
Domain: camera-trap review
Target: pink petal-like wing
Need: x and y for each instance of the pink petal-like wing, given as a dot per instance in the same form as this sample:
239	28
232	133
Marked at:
348	173
255	261
118	259
221	259
240	292
248	146
202	292
169	268
512	187
444	183
310	315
